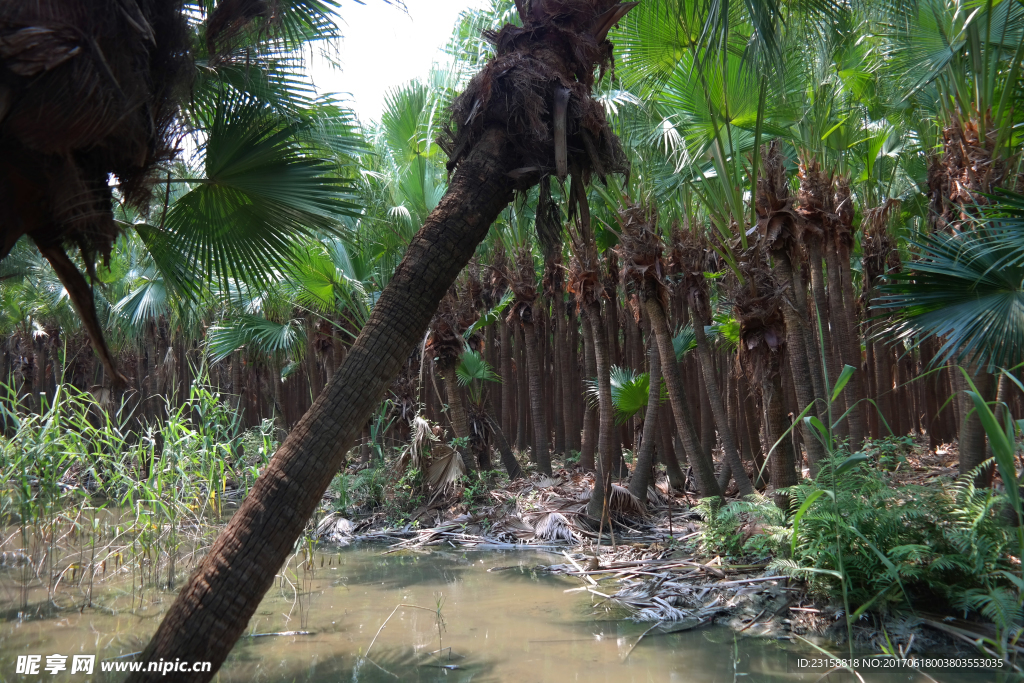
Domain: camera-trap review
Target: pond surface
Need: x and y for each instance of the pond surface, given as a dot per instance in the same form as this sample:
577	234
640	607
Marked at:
513	624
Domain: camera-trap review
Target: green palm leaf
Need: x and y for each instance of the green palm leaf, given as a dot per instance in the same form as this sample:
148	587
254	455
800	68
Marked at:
472	367
260	192
265	337
630	392
683	342
967	290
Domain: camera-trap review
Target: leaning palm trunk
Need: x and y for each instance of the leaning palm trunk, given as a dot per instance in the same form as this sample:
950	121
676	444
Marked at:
537	63
508	459
214	607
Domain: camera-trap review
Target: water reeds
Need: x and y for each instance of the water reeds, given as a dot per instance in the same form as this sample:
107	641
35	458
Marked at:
90	492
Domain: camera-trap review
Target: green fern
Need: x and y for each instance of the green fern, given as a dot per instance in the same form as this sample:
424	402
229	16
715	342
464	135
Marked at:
898	546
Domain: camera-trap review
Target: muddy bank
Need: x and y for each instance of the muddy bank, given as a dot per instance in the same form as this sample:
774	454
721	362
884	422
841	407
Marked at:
647	567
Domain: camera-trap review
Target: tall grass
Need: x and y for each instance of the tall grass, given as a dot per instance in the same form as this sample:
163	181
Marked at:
88	493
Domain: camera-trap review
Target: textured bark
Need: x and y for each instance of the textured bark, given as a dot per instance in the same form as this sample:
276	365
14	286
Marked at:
236	381
931	395
717	405
848	345
703	469
782	464
599	496
751	423
541	454
590	417
643	471
883	388
213	608
874	424
576	368
821	319
522	394
801	372
808	327
456	406
557	347
505	407
565	375
972	434
708	437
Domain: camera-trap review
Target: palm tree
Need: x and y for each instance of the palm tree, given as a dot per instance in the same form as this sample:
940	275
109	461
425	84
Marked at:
694	253
777	225
536	64
472	372
642	249
525	310
248	111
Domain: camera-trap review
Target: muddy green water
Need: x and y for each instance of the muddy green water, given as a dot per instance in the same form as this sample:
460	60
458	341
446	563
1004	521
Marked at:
513	625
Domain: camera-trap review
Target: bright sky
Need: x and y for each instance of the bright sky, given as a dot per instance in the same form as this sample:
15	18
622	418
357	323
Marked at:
385	47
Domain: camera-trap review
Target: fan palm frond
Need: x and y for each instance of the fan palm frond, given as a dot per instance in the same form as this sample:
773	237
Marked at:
965	289
260	192
264	336
473	367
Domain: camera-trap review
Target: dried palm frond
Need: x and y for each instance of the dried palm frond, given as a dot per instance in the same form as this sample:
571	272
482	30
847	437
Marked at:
553	526
776	219
758	310
445	343
583	282
621	500
547	482
445	471
641	249
656	497
334	528
415	454
514	527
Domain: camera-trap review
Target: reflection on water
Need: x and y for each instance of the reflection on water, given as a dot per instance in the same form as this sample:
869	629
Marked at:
508	625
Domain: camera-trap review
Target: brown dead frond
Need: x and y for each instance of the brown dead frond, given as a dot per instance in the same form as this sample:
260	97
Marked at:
757	306
624	502
538	88
421	441
641	248
446	469
776	219
445	343
553	526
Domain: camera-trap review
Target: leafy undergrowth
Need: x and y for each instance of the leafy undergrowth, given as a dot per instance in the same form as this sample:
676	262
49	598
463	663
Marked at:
893	548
